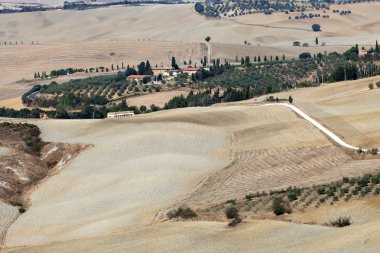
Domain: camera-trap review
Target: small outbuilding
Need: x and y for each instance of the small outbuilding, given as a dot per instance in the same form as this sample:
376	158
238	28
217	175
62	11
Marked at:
118	115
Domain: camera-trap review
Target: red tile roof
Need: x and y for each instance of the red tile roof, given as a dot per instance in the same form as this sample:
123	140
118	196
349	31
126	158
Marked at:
138	76
161	68
191	69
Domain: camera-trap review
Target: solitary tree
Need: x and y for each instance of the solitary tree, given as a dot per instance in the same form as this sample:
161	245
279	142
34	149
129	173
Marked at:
174	63
207	39
316	27
316	41
290	99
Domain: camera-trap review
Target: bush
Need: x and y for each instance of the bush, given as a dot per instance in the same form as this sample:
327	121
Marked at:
378	84
341	221
373	151
347	198
235	222
231	201
321	190
280	207
370	86
293	193
183	212
316	27
249	196
232	212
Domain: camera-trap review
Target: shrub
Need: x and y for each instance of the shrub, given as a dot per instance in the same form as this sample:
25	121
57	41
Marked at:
347	198
375	180
316	27
231	201
293	193
183	212
321	190
344	190
377	191
280	207
235	222
373	151
355	191
364	181
292	196
336	198
232	212
331	191
378	84
342	221
249	196
370	86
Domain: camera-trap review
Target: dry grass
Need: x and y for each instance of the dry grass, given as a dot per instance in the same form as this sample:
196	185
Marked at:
349	109
169	153
158	99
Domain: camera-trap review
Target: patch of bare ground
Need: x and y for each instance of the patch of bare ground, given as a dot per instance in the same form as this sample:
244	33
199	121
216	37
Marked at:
25	161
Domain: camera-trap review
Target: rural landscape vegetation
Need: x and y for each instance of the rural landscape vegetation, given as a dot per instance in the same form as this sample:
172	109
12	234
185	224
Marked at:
200	126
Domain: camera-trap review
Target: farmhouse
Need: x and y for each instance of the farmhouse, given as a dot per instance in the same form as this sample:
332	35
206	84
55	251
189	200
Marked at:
190	70
160	70
365	51
140	78
117	115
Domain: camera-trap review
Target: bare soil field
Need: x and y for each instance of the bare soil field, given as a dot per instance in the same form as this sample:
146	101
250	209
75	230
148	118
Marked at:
108	24
28	59
158	98
230	51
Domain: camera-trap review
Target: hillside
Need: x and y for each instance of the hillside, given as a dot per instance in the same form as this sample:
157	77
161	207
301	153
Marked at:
217	146
99	37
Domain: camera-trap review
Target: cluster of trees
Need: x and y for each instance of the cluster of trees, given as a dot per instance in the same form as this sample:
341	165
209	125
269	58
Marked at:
273	76
208	98
25	8
61	72
80	5
232	8
10	43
